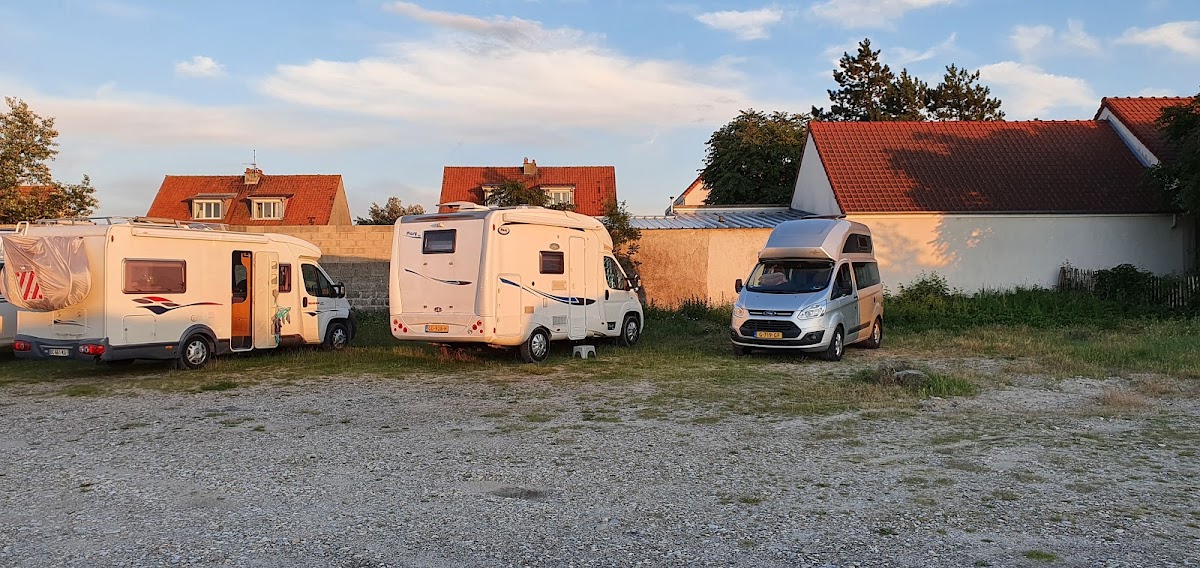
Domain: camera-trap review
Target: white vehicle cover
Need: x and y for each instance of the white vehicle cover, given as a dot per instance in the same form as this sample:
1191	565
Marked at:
44	274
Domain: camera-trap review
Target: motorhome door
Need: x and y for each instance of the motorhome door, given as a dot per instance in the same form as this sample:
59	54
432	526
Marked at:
577	288
316	302
241	302
266	300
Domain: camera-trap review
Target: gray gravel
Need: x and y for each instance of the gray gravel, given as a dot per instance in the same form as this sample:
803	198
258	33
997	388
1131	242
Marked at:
365	472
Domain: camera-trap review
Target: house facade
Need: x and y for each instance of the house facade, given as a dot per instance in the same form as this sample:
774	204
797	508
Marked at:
253	199
588	188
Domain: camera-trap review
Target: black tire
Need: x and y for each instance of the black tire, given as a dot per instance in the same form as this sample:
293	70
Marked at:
537	347
739	351
195	352
837	346
876	339
631	331
337	337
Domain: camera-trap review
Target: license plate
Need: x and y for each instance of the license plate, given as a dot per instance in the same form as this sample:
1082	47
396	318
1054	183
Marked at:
58	352
769	334
437	328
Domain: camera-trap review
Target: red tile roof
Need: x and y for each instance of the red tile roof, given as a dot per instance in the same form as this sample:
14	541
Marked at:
594	185
1008	167
308	199
1138	114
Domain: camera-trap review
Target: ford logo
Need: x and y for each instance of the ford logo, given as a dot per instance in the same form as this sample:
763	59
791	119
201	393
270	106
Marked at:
768	313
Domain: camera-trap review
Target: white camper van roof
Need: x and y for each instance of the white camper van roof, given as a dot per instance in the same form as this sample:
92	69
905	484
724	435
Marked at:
810	238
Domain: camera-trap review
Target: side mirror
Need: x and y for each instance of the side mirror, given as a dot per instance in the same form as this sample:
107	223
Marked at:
737	285
631	284
339	290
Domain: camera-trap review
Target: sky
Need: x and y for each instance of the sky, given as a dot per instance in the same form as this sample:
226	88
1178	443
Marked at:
388	93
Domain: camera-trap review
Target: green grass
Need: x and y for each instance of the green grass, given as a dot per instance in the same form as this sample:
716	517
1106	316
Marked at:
1041	555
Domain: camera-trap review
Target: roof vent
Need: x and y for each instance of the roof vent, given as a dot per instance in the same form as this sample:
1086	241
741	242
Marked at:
252	176
530	167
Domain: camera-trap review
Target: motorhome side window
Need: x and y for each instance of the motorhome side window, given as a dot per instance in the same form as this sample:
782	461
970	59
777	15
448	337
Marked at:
439	242
552	263
858	243
866	274
285	278
612	273
315	282
155	277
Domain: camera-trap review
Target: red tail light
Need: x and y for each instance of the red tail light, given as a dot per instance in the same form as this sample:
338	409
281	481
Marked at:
91	349
22	346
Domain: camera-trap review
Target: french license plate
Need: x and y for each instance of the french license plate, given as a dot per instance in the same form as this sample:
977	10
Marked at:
769	334
58	352
437	328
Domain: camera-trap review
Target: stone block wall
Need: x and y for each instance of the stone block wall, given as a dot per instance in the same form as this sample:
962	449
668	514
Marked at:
340	243
366	282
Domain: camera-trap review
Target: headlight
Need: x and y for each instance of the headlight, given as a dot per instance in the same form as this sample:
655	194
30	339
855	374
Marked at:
739	312
813	311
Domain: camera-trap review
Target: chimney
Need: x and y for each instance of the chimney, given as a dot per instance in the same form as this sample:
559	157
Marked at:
252	175
530	167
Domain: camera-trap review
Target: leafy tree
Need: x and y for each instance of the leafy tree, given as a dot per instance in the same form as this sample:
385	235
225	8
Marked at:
907	98
865	83
755	158
958	97
513	192
625	237
389	213
1180	176
26	145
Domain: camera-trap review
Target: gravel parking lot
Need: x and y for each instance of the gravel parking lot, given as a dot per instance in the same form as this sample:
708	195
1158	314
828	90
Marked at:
368	471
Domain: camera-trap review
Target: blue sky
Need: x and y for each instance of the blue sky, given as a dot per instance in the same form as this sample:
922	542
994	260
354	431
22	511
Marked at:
387	93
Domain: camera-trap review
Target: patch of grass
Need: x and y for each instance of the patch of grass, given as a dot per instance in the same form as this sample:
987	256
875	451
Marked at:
538	417
918	382
887	531
1121	399
80	390
218	386
1040	555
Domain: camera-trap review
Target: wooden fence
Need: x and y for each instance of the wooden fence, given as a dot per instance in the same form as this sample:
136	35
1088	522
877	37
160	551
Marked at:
1170	291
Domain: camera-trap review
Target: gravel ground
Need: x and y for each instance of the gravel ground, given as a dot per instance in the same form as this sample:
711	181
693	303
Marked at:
366	472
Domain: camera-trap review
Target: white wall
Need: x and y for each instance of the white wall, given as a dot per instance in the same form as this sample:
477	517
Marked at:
813	192
975	252
1139	150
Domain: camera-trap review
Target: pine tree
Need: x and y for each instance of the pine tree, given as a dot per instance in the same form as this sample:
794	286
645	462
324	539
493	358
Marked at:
864	83
907	98
958	97
389	213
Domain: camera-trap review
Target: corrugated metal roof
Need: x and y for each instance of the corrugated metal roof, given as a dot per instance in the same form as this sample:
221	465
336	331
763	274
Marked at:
718	219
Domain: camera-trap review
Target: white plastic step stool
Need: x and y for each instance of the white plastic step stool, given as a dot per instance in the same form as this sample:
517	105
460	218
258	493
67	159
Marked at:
583	351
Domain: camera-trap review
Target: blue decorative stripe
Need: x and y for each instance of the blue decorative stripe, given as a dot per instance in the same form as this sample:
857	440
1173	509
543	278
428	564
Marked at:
453	282
569	300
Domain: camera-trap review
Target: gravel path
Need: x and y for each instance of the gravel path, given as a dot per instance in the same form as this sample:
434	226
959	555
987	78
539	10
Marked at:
366	472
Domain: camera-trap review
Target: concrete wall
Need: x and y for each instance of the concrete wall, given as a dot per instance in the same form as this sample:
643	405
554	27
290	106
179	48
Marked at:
340	243
366	282
682	264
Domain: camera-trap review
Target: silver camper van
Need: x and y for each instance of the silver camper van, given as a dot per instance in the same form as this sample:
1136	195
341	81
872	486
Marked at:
816	289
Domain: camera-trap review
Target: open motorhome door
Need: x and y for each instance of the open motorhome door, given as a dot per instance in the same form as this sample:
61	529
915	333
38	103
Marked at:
266	300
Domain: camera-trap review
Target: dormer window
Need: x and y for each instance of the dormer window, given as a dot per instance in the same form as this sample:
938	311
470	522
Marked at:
207	210
559	194
268	209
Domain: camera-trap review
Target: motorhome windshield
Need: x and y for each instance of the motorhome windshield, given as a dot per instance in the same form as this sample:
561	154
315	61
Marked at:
790	276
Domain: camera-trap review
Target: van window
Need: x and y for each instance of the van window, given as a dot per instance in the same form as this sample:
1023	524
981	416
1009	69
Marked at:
552	263
858	243
790	276
315	283
843	277
439	242
866	274
155	276
613	274
285	278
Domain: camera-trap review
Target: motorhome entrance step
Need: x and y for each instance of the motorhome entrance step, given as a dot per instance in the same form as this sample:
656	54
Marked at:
583	351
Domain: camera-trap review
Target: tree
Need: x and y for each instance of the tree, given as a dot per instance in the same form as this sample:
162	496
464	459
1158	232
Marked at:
755	158
1180	175
864	83
27	190
625	237
907	98
389	213
513	192
958	97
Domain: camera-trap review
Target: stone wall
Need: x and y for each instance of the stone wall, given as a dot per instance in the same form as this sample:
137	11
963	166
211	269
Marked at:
340	243
366	282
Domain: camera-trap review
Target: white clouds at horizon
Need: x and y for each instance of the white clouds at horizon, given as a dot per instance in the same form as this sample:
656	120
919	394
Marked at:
1181	37
200	67
870	13
746	25
1029	92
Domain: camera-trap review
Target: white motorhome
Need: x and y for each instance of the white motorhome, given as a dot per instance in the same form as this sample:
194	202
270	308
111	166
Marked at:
119	289
816	288
509	277
8	312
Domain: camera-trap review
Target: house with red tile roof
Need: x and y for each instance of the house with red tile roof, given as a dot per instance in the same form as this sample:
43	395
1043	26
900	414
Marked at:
586	187
1134	120
253	199
993	204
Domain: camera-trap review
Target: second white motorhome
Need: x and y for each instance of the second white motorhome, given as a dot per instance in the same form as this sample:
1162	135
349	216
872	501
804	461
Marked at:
509	277
115	290
8	312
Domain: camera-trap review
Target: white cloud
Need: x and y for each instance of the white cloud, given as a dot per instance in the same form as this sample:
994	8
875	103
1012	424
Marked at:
1180	37
199	66
903	56
871	13
1034	42
1029	92
746	25
1157	92
510	77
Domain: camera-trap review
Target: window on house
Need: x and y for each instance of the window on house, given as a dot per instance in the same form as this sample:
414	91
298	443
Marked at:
207	209
488	190
285	278
552	263
266	209
559	194
155	277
